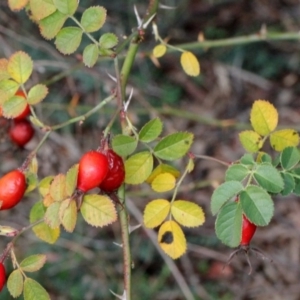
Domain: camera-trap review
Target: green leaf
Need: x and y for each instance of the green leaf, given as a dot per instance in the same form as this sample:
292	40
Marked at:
37	94
236	172
14	106
68	39
151	130
108	40
10	87
68	214
223	194
268	177
41	8
42	230
20	66
289	184
138	167
67	7
93	18
90	55
34	291
247	159
124	145
52	215
289	157
229	224
98	210
257	205
174	146
33	263
15	283
71	180
51	25
31	182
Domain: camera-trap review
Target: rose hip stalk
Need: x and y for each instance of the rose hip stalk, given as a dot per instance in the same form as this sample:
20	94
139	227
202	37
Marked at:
12	189
93	167
116	172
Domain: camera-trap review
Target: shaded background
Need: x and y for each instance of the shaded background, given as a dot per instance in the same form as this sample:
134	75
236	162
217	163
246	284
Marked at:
87	264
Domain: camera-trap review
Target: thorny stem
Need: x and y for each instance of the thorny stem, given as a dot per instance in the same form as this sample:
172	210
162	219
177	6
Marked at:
122	82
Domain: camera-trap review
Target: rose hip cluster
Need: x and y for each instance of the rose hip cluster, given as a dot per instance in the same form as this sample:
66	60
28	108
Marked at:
103	169
21	130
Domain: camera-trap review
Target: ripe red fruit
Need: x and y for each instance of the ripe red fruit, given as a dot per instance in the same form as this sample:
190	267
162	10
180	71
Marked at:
12	189
21	132
2	276
116	172
248	230
93	167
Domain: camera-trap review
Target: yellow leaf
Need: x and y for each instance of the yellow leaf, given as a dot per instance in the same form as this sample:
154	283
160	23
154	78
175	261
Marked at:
171	239
163	182
20	66
48	200
263	117
159	51
17	4
187	213
98	210
68	214
250	140
155	212
281	139
190	63
163	168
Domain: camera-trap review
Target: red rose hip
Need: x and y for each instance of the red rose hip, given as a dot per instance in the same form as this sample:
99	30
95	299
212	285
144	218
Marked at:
248	230
93	167
21	132
116	172
2	276
12	189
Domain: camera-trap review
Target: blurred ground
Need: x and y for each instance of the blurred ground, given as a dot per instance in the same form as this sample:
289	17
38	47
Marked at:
86	264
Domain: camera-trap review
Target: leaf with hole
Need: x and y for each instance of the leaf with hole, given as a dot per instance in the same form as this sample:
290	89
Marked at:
171	239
